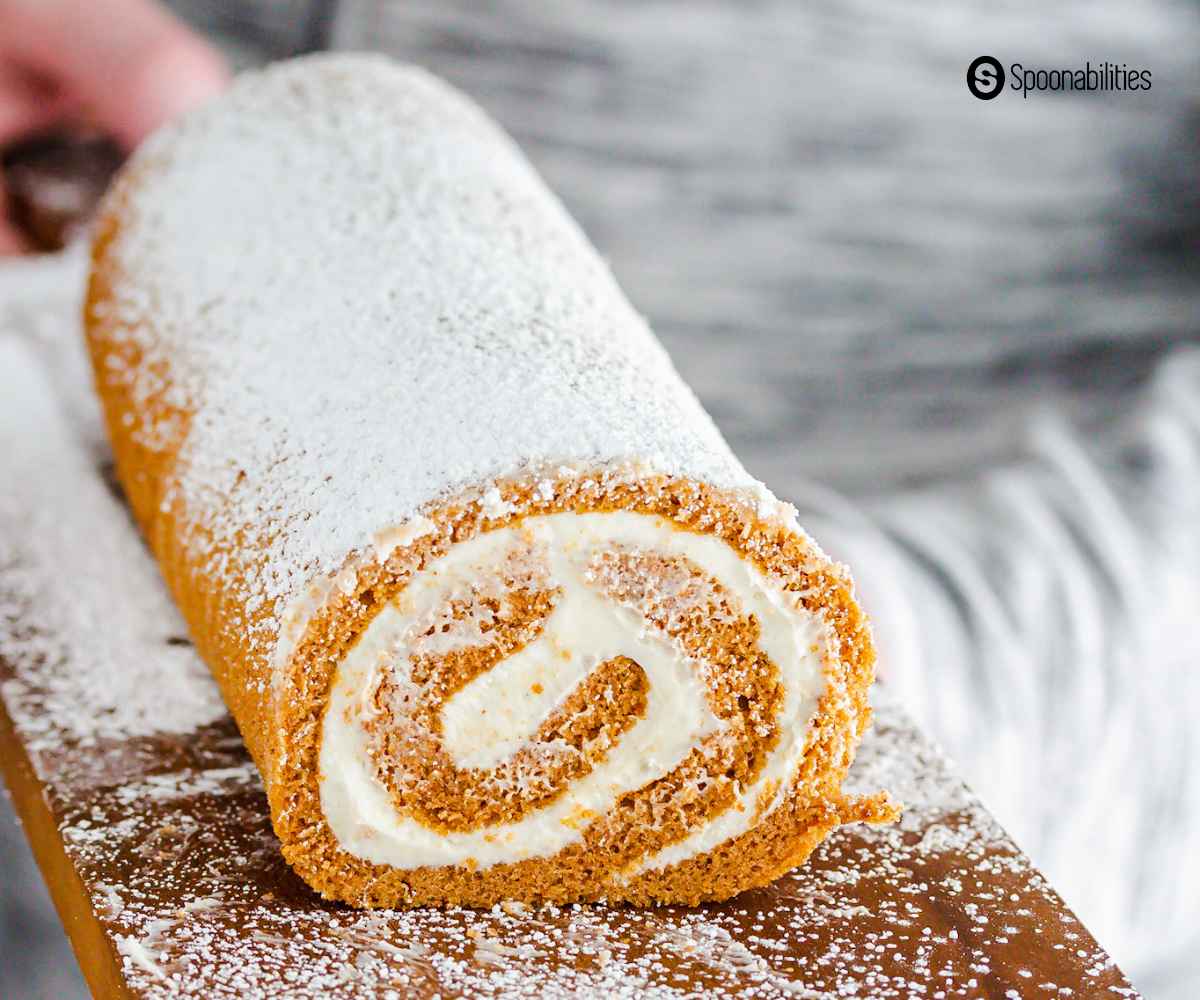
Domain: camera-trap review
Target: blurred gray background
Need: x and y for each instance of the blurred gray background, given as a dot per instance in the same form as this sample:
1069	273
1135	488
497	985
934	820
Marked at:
936	324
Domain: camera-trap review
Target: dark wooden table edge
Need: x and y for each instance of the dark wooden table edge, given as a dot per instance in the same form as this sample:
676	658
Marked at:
95	952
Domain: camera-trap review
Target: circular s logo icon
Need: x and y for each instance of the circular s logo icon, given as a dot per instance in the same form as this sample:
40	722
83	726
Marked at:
985	78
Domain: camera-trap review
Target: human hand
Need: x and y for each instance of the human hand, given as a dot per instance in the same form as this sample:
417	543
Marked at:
125	66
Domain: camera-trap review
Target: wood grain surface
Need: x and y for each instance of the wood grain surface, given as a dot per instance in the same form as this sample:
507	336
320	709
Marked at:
160	859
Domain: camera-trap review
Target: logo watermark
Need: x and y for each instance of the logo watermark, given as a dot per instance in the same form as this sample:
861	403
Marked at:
986	78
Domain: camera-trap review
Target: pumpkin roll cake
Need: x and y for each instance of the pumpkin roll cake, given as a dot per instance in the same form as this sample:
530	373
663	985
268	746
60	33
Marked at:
498	613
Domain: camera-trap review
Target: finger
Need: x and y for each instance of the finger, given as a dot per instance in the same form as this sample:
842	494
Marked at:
132	64
27	104
12	244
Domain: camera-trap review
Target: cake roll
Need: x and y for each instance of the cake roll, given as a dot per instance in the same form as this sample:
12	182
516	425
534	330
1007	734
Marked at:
497	611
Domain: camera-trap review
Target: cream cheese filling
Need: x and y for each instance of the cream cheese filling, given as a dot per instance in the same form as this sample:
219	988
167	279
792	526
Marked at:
498	712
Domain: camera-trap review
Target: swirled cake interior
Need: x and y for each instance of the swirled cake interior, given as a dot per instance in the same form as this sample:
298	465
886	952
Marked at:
605	680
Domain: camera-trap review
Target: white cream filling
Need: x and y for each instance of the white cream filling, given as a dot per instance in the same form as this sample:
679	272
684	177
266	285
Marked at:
497	713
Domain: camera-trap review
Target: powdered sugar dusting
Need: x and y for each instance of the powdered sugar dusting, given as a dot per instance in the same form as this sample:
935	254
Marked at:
881	912
345	199
86	628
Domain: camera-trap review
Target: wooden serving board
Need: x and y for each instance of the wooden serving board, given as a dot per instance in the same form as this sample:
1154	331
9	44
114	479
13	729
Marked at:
159	855
150	824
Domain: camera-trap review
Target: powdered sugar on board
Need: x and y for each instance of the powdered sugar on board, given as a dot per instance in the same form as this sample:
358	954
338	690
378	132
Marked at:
187	879
88	634
370	301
